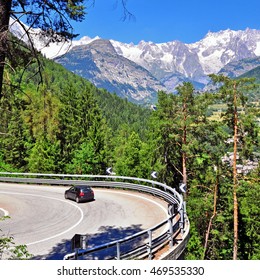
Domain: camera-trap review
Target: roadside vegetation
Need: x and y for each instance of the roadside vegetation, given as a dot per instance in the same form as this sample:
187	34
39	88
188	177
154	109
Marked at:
8	249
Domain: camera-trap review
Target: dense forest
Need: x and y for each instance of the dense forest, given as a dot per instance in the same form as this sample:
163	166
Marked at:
60	123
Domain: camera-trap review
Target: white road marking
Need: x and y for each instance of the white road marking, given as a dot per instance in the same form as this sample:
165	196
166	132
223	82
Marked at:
6	213
147	199
81	212
64	201
139	196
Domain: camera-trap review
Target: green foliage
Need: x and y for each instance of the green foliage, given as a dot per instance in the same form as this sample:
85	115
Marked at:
84	161
8	250
249	196
4	166
180	126
133	157
244	134
119	112
43	156
39	15
194	250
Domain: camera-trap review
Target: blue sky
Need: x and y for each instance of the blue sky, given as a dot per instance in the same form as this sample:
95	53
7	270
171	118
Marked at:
167	20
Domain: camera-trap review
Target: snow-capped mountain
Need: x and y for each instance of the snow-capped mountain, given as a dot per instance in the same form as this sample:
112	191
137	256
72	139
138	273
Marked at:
193	61
238	68
42	44
218	49
99	62
175	62
138	71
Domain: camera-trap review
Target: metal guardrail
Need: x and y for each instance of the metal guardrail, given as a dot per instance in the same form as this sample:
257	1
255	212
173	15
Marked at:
140	245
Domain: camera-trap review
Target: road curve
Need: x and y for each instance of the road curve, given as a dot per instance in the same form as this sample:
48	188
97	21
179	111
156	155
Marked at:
43	220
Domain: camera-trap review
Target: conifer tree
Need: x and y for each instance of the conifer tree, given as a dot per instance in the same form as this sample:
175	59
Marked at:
178	119
82	128
233	94
132	156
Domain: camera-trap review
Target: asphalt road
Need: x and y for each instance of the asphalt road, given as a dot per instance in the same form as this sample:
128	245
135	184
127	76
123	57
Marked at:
43	220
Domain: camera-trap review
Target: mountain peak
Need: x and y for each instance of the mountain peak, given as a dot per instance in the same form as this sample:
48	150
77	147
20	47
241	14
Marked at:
140	70
85	40
102	45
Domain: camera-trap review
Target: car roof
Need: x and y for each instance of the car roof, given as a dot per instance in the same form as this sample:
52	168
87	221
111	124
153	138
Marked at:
82	186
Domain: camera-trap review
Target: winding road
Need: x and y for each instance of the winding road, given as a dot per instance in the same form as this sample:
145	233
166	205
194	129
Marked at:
44	221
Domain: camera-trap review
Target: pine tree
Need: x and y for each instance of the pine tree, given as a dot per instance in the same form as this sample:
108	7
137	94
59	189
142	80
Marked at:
12	137
233	94
132	156
179	120
81	128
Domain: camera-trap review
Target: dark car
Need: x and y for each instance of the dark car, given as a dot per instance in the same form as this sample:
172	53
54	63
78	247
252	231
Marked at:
79	193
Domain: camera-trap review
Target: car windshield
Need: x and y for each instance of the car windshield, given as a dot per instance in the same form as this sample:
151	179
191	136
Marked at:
84	188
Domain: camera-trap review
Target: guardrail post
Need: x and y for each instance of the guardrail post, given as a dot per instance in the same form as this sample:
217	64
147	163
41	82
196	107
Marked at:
185	211
170	231
182	219
118	250
76	254
149	245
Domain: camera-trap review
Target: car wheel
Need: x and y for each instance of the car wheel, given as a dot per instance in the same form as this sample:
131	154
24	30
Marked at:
77	199
66	196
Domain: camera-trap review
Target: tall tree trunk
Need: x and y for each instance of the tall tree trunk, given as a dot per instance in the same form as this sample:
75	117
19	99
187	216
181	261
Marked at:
5	8
184	168
184	143
212	217
235	183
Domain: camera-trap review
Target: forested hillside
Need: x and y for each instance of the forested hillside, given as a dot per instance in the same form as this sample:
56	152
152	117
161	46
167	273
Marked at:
254	95
52	122
254	73
66	125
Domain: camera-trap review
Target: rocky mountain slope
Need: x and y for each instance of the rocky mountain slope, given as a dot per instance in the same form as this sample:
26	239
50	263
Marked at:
228	52
137	72
193	61
238	68
101	64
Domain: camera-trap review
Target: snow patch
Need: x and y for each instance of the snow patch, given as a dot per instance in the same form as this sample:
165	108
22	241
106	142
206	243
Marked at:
257	50
168	58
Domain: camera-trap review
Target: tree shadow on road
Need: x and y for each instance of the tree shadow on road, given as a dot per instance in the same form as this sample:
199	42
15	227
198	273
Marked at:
106	234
